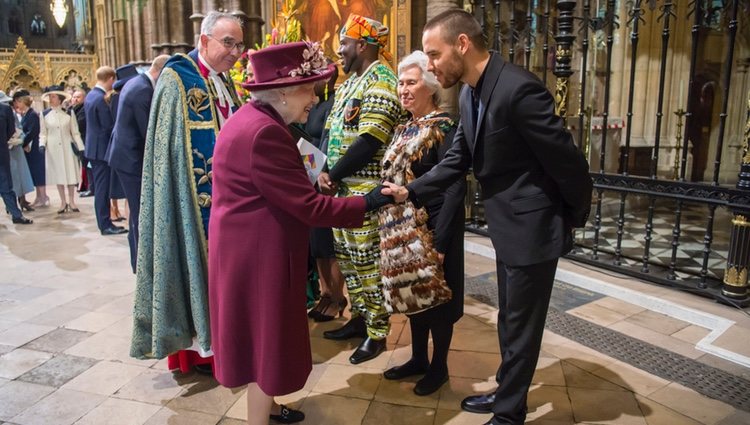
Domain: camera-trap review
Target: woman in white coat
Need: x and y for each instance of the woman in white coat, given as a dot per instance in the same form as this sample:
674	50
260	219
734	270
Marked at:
59	133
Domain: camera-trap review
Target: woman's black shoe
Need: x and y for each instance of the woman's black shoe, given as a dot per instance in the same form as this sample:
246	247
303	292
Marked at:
340	305
410	368
322	304
288	416
430	383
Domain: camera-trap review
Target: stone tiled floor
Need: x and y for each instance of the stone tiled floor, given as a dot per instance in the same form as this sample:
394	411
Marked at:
65	320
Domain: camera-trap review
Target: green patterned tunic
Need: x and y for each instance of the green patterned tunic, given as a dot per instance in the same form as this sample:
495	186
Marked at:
364	104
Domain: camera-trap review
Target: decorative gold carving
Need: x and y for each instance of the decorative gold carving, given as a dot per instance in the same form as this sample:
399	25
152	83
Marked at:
736	276
197	100
35	70
561	97
740	220
562	53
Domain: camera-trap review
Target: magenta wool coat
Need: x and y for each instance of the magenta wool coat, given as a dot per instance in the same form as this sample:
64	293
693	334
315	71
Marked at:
262	209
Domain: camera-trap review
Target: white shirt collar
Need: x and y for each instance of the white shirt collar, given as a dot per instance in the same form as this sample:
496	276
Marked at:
150	78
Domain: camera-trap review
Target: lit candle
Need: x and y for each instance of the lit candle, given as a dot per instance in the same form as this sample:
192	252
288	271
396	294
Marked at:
682	92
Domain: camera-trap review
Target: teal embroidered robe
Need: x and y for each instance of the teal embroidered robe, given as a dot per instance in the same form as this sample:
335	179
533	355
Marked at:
171	297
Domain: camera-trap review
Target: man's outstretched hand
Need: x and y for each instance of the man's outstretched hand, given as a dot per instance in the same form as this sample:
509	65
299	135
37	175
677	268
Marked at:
399	193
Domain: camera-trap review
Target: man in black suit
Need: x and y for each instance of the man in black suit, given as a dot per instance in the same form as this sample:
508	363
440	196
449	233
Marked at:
7	129
125	154
535	185
99	124
76	104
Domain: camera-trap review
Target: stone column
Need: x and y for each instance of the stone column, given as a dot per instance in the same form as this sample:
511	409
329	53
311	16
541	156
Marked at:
448	97
253	20
197	17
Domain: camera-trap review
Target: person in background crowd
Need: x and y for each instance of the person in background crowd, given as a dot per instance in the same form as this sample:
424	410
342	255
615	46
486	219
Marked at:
332	301
360	127
19	167
86	188
116	191
7	129
418	145
59	137
30	125
192	100
264	206
535	183
125	154
99	123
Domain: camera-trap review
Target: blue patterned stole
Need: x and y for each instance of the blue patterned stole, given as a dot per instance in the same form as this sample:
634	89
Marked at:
201	129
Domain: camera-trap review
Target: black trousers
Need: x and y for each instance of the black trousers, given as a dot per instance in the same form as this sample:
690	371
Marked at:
523	296
101	173
131	183
6	185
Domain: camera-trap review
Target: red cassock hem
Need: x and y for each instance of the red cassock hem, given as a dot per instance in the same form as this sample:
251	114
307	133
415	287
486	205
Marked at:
184	360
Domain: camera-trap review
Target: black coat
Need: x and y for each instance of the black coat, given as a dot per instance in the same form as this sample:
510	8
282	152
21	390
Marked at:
131	123
7	129
535	182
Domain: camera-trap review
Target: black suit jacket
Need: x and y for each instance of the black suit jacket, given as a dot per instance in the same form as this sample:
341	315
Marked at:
80	114
7	129
30	127
129	135
99	123
535	182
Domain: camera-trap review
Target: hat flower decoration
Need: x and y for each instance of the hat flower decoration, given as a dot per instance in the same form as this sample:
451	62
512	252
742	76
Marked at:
314	61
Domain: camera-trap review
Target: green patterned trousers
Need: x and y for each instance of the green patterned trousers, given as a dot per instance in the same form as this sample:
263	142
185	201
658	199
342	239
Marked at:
358	255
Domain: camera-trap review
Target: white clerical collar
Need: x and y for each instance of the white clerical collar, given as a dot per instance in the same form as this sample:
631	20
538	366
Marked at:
222	94
205	63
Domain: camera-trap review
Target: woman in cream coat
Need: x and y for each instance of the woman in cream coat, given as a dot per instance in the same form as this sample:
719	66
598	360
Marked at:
59	129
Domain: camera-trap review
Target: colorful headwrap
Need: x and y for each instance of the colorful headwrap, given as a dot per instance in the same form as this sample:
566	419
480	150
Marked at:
369	30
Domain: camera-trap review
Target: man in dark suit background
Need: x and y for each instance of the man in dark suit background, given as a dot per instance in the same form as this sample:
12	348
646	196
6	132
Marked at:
535	185
7	129
86	187
125	155
99	124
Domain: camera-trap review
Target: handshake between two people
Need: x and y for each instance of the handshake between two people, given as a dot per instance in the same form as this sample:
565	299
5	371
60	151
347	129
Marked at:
380	196
384	194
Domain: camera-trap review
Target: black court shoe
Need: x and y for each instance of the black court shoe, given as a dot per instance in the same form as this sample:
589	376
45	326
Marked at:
288	416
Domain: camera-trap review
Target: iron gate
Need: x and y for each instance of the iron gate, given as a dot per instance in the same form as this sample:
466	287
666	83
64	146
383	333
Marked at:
661	108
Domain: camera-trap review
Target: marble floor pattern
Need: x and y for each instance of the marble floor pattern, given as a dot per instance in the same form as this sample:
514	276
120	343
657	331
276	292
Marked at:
66	297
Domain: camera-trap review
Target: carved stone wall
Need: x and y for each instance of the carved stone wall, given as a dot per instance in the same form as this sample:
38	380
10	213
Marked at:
34	70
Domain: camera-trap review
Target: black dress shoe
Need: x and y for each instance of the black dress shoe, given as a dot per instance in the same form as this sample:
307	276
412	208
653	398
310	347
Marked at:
288	416
22	220
430	383
114	230
368	349
410	368
204	369
353	328
86	194
481	403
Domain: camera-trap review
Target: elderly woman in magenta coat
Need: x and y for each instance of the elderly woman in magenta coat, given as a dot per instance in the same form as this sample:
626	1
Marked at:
262	209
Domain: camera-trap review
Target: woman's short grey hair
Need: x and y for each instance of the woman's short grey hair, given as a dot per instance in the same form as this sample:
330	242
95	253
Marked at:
269	96
213	17
418	58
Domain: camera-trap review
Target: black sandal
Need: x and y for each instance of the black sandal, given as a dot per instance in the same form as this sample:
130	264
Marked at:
323	303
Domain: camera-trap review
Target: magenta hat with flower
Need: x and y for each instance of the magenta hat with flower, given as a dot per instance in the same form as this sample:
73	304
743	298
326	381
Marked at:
288	64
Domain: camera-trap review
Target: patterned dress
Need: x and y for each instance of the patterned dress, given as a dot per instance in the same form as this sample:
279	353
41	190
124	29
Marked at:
365	104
